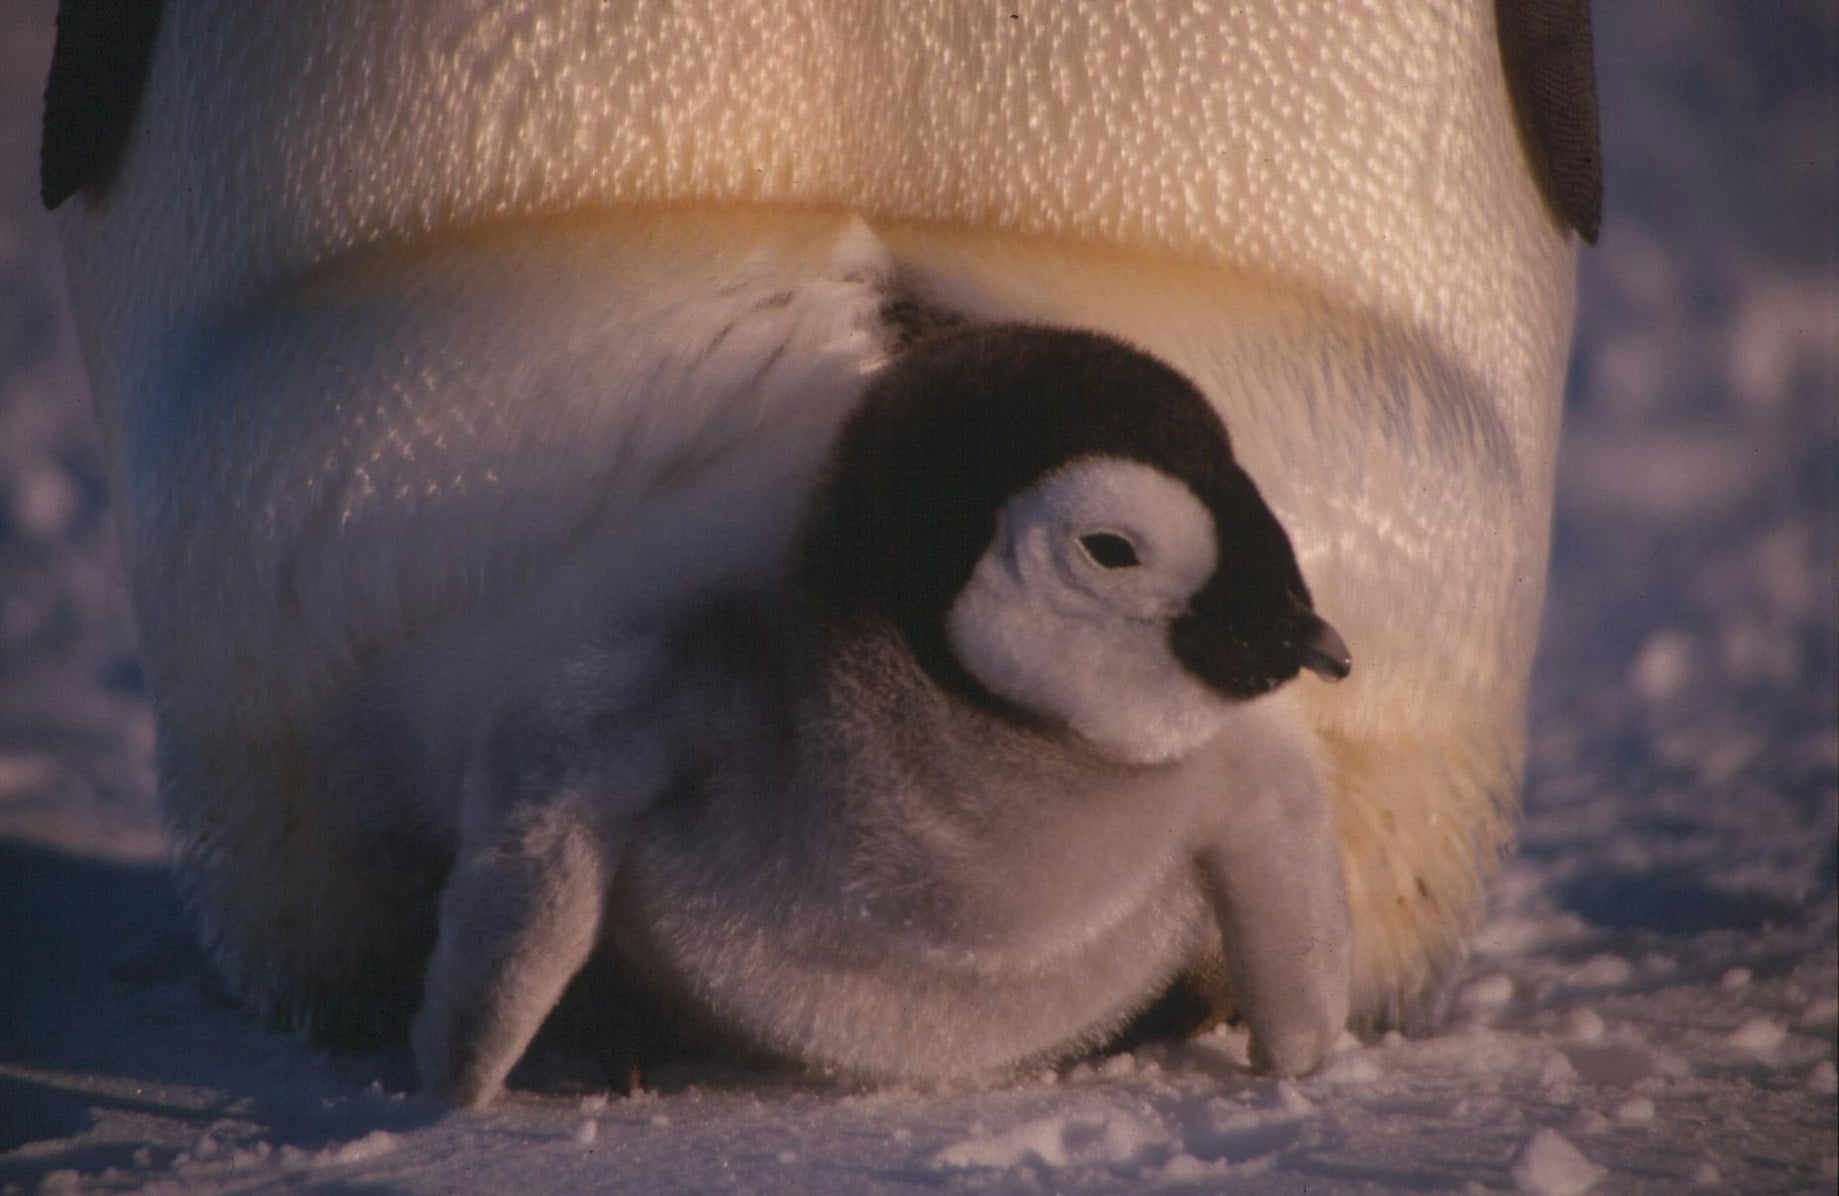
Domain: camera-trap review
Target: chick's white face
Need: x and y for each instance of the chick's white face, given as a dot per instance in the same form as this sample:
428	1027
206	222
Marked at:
1067	612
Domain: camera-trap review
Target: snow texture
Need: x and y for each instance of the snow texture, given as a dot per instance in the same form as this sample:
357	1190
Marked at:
1652	1007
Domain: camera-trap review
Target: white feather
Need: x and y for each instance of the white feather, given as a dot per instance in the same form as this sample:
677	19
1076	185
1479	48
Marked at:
1045	626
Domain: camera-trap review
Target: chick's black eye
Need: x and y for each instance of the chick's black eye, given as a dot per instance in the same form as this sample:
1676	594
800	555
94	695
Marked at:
1110	550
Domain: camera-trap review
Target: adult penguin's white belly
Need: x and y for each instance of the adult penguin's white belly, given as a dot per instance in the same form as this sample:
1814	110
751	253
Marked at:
391	309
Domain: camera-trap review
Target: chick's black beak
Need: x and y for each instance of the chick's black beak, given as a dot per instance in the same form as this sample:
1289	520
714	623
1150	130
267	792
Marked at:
1321	650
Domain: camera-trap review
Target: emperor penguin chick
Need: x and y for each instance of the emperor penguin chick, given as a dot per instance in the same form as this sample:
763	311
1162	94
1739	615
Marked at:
1000	758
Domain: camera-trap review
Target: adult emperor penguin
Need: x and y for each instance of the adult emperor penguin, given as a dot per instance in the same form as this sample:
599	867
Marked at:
966	789
397	314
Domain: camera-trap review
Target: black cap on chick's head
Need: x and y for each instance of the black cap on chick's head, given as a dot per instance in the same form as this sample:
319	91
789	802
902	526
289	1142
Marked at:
958	425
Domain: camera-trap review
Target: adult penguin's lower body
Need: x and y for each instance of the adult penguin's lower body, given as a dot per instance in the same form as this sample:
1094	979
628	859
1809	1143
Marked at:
398	334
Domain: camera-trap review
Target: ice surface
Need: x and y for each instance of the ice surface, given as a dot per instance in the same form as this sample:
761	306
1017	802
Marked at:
1652	1006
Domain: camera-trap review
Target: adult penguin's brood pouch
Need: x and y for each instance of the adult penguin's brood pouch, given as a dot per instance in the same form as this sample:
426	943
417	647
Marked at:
394	313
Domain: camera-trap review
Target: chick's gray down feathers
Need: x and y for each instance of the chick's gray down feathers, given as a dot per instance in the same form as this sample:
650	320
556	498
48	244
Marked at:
811	818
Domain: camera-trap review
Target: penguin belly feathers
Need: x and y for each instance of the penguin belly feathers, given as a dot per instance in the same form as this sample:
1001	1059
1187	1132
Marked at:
486	324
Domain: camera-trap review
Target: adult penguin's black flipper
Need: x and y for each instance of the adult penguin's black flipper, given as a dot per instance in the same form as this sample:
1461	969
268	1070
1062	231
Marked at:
98	71
1546	52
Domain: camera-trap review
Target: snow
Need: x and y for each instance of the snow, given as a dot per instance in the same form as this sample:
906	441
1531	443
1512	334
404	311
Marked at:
1652	1006
1547	1165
